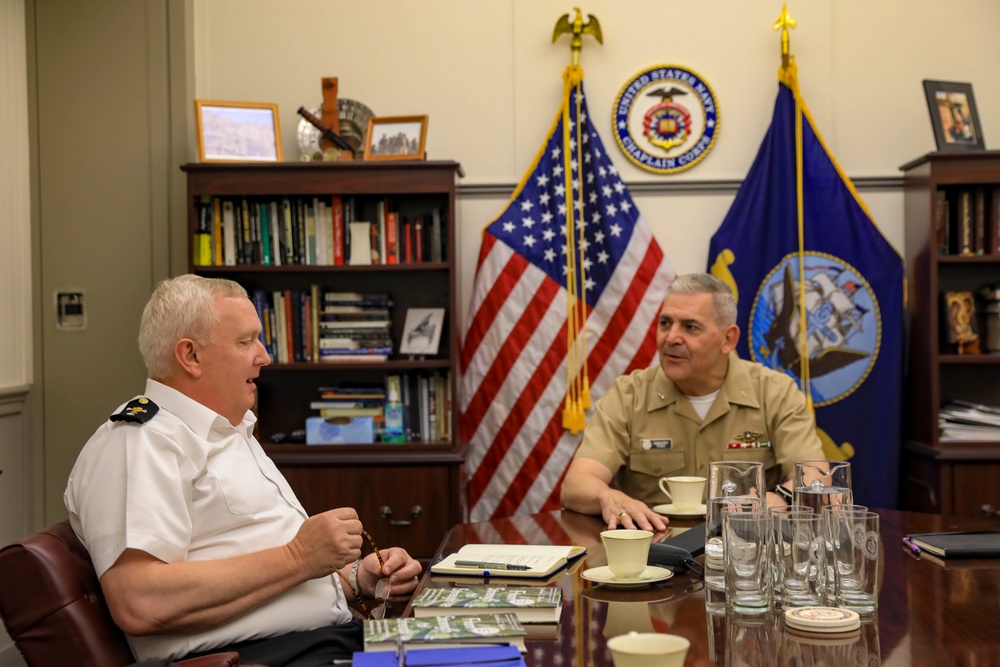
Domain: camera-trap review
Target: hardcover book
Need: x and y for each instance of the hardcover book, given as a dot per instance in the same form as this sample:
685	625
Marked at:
975	544
508	560
531	604
442	631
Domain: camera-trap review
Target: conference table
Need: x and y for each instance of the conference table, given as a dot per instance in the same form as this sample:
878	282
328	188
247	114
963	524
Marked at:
931	612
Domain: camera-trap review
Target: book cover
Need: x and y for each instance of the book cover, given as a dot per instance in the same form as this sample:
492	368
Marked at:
311	241
264	212
361	243
972	544
288	243
229	233
337	209
274	220
217	234
531	604
442	631
201	252
541	560
993	235
979	221
314	299
964	222
436	245
391	237
245	248
480	656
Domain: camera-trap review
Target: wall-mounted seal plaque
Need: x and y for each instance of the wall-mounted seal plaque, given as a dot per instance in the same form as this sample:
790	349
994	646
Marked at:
666	119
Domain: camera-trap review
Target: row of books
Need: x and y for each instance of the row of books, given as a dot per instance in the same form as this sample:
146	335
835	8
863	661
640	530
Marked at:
325	326
314	231
963	420
412	407
967	220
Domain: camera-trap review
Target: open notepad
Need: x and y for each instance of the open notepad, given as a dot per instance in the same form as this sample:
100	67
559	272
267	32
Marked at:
532	560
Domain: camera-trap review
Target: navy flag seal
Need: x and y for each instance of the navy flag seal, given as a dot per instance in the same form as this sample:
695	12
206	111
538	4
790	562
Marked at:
138	411
666	119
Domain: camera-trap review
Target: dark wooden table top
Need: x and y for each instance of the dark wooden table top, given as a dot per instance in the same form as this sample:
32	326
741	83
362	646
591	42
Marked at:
930	612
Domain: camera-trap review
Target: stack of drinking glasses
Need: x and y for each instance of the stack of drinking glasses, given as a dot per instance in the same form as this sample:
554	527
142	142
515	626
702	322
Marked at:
823	550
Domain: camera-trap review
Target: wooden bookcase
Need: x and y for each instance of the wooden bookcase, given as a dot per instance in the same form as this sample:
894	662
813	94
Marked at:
947	477
407	494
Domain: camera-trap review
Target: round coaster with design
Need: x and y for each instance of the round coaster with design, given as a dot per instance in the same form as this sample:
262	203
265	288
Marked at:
822	619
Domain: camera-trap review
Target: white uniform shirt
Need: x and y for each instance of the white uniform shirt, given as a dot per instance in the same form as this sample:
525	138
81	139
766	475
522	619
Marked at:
188	486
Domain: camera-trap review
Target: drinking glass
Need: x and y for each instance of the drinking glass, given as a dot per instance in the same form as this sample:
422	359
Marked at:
799	545
747	561
729	482
778	545
820	483
857	552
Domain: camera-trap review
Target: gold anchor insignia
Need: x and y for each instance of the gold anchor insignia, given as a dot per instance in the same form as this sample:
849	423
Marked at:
136	410
748	436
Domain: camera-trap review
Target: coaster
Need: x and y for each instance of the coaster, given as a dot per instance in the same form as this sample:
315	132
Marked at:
651	575
822	619
670	510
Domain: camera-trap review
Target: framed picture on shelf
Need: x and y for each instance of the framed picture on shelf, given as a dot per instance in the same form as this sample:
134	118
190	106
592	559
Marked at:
422	331
954	116
237	131
396	138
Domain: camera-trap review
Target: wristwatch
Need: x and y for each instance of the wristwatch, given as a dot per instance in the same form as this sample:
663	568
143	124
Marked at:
784	492
353	578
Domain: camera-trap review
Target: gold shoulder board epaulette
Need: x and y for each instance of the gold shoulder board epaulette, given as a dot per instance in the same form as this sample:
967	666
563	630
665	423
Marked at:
138	411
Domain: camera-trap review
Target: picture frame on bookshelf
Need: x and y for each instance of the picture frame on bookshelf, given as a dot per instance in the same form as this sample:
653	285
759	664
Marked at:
237	131
396	138
422	331
954	116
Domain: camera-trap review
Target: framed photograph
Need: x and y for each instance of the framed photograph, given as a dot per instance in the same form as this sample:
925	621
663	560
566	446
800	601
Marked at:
422	331
954	116
396	138
237	131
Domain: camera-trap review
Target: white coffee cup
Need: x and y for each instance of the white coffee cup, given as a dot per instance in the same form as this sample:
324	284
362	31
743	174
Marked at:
627	551
686	493
648	649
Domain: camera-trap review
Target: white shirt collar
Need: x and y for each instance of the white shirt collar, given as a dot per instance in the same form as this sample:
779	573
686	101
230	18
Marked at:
201	419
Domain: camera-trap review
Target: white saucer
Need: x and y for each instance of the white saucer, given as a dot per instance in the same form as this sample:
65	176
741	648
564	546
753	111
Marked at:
670	510
650	575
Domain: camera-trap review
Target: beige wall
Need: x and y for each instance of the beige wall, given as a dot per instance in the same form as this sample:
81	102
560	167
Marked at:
488	76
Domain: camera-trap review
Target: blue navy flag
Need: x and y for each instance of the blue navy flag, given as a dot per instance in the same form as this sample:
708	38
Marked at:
852	322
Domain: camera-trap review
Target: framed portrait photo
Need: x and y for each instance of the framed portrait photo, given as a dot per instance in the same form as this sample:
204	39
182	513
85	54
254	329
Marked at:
396	138
422	331
237	131
954	116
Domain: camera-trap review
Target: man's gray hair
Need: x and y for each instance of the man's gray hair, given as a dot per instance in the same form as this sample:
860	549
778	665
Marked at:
724	304
181	307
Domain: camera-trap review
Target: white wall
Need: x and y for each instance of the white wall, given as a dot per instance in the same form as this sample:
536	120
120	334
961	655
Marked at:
488	76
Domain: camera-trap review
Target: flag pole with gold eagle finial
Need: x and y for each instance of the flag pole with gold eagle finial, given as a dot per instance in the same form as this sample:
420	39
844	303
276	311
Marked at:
577	381
788	75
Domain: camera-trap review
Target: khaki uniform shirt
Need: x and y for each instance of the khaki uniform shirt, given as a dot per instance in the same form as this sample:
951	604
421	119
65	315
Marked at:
645	428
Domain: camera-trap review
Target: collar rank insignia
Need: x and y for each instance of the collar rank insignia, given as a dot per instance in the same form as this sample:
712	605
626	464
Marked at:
138	411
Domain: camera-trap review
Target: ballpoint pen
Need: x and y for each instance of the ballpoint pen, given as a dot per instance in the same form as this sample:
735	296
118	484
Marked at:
481	565
914	549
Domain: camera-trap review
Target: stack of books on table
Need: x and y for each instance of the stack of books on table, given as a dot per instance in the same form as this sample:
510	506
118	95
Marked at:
962	420
354	327
387	634
538	608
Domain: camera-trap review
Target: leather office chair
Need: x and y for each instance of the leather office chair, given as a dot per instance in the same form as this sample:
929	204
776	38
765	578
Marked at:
53	608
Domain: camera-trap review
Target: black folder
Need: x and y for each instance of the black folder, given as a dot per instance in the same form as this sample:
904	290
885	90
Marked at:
972	544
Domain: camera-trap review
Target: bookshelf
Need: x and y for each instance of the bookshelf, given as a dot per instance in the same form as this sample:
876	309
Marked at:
407	493
943	255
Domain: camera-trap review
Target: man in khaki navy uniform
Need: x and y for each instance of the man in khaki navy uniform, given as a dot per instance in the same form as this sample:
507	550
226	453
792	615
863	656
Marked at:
702	403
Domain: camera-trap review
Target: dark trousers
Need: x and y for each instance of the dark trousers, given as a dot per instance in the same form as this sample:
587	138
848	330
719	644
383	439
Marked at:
309	648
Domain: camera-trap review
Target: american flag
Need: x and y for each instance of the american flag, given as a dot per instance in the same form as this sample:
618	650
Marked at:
514	359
